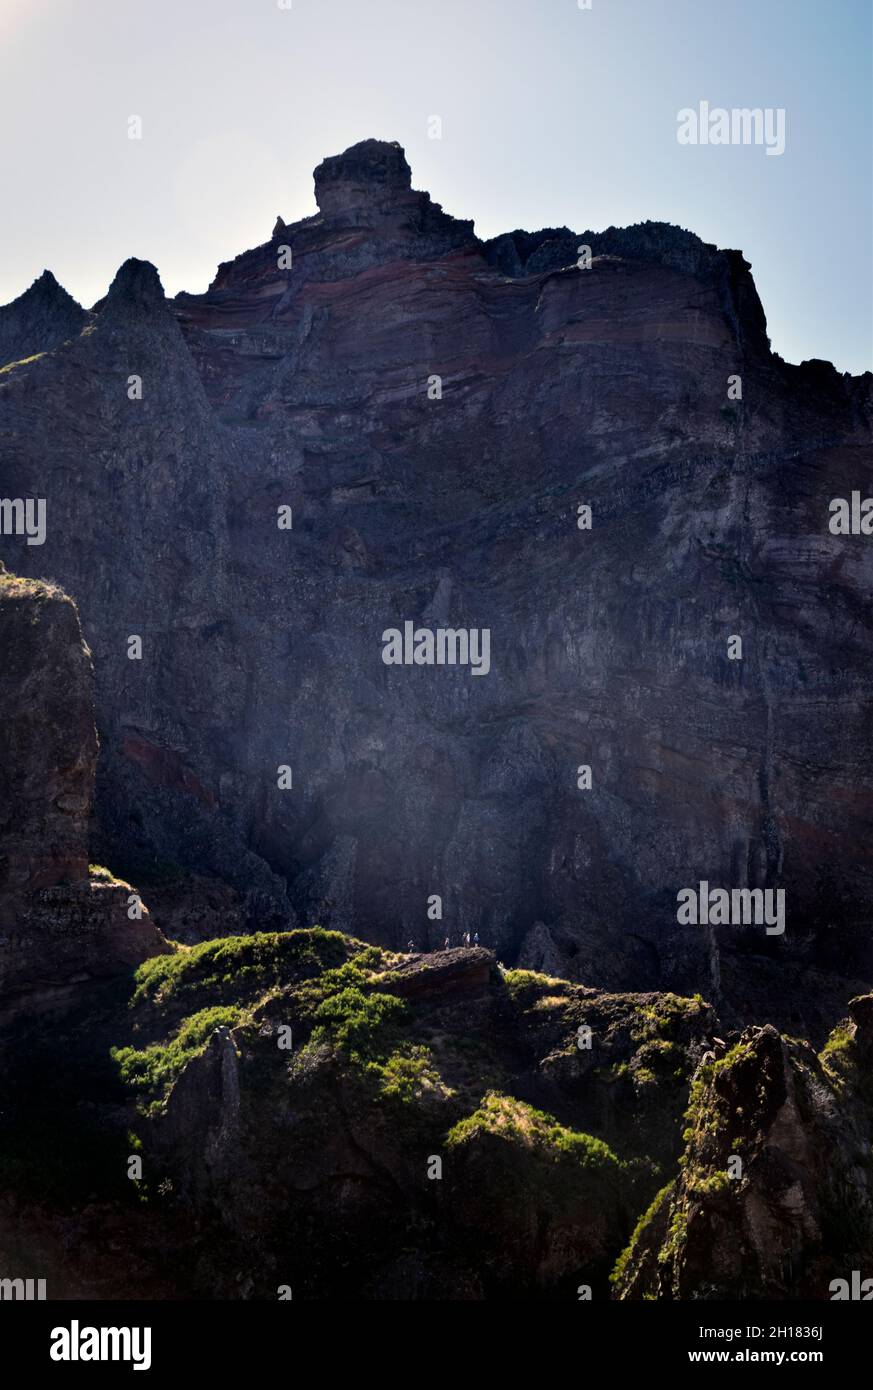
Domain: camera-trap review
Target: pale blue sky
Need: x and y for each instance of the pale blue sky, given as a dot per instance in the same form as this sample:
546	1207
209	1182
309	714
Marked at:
551	115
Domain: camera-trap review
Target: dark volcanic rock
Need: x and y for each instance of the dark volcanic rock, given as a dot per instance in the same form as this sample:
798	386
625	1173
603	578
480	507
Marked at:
58	927
371	184
149	479
316	1113
48	743
446	972
314	1164
796	1210
307	387
373	175
40	319
136	290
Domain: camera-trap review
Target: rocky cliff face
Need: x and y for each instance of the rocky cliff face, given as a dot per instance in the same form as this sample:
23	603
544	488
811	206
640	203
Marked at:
328	1117
320	1118
60	927
775	1196
48	753
315	1113
309	383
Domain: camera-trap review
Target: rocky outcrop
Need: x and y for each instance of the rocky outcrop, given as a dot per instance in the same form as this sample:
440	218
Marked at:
206	1102
315	1113
447	972
187	906
447	1129
311	384
59	926
371	185
39	320
48	743
523	253
775	1195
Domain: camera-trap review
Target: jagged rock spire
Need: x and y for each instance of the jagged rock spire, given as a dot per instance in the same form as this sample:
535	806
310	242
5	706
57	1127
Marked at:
41	318
137	285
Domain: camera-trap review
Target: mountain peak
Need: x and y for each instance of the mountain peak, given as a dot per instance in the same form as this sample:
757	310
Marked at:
45	289
46	283
41	318
137	285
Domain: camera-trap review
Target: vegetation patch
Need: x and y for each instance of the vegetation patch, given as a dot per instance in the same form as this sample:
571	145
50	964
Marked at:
513	1119
623	1262
675	1236
99	874
358	1023
152	1070
667	1015
408	1076
22	362
525	986
236	969
837	1054
19	586
706	1185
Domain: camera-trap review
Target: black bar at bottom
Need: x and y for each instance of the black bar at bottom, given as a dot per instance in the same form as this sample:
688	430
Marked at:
412	1341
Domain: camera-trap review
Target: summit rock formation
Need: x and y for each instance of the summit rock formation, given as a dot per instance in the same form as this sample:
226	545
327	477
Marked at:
311	385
